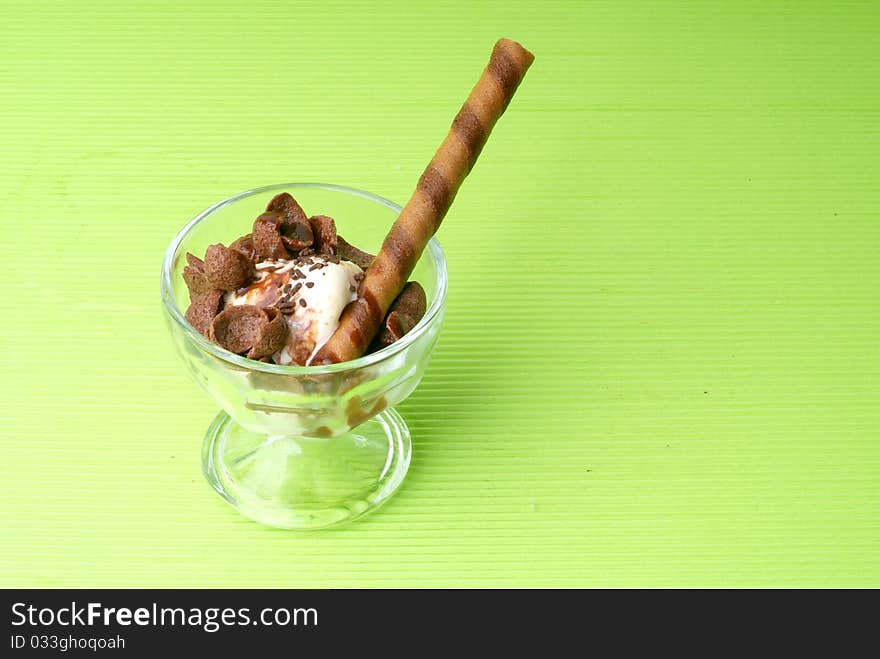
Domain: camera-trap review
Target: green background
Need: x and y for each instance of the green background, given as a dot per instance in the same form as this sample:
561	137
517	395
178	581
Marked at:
660	361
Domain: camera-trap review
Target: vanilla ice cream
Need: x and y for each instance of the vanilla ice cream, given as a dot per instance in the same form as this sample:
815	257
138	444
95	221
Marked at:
311	292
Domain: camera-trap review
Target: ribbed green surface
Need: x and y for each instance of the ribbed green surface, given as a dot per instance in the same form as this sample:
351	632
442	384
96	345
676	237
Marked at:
660	362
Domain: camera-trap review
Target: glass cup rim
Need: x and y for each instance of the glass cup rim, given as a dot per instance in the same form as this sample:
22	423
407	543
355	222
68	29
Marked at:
410	337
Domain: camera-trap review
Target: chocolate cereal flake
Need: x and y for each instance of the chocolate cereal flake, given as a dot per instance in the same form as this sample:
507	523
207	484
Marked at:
412	301
194	276
296	232
285	204
297	236
202	310
267	236
196	281
324	229
239	328
195	262
273	337
349	252
397	324
405	312
226	268
245	245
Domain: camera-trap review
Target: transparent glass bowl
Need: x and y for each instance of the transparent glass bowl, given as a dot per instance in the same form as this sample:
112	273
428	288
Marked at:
304	447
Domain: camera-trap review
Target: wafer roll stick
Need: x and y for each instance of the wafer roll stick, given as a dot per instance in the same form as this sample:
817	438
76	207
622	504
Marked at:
422	215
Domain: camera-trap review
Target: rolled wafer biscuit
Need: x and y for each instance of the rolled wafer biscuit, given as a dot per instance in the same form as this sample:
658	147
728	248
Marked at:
422	215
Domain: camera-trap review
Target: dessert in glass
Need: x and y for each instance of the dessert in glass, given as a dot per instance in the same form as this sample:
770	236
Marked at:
304	446
307	340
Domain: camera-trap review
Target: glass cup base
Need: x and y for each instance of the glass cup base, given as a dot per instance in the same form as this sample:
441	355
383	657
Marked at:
294	482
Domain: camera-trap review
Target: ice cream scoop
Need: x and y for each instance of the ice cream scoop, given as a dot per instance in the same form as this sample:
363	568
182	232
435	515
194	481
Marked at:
311	292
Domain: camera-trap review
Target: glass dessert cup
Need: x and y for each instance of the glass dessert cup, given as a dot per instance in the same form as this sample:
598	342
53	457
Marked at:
304	447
